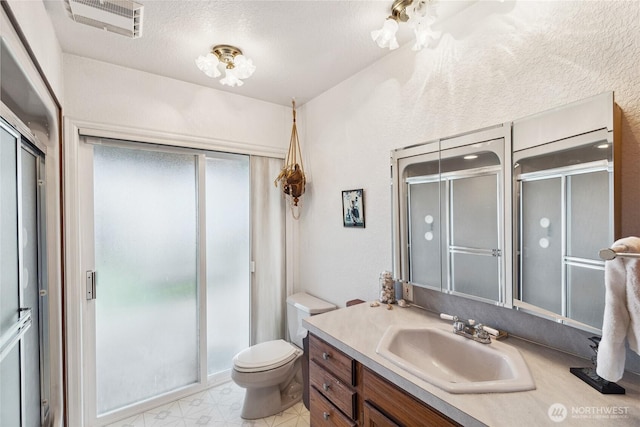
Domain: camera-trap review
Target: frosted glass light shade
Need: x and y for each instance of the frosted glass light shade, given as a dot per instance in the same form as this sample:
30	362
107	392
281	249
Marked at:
231	79
243	67
386	36
421	19
424	37
208	64
238	66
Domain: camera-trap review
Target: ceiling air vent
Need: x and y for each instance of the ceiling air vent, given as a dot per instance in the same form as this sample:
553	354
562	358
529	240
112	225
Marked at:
122	17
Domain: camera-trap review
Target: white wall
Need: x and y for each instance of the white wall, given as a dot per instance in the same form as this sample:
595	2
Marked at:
501	62
37	28
109	94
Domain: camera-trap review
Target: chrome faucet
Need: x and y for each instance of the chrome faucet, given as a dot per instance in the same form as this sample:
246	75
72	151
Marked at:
471	329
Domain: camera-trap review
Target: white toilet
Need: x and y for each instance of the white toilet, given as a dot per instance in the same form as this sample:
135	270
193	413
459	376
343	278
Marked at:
271	371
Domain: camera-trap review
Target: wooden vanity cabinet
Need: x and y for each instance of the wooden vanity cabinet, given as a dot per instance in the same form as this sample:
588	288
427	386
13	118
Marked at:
343	392
387	405
332	385
332	359
375	418
325	413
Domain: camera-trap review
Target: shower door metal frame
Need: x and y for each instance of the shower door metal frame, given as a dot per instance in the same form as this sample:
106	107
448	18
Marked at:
16	334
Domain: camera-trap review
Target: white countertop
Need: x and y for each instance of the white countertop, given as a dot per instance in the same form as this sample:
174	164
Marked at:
356	331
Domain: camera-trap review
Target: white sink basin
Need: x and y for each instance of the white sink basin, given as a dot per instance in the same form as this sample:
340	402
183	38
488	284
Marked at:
454	363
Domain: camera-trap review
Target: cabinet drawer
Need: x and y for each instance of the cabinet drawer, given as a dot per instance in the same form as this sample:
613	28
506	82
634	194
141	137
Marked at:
339	393
398	405
333	360
323	413
375	418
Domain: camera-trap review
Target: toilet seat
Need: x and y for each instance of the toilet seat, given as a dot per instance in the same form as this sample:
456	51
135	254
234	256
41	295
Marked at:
265	356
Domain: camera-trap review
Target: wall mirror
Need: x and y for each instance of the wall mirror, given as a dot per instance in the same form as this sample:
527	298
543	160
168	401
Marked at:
450	201
418	215
515	214
564	183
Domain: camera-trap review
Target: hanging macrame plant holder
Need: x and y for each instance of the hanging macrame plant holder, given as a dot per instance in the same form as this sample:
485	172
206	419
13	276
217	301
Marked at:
291	177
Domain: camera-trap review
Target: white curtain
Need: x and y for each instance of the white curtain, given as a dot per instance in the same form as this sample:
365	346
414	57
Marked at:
268	292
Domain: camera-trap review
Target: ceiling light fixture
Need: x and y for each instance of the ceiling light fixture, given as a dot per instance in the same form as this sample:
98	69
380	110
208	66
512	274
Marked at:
418	16
237	66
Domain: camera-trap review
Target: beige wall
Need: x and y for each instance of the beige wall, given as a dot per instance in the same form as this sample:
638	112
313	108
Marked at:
495	63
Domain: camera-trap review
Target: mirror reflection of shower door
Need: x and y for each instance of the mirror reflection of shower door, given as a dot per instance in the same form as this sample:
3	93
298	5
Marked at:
474	237
424	232
589	229
541	246
452	225
419	217
565	219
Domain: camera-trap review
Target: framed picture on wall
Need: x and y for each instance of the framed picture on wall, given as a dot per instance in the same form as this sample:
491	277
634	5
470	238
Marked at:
353	208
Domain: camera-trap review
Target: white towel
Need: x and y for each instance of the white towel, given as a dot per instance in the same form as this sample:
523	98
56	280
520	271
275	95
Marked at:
621	311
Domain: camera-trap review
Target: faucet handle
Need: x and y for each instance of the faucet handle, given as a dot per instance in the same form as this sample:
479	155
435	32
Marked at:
491	331
448	317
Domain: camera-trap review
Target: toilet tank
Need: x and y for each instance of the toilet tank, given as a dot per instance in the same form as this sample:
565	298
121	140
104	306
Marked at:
299	306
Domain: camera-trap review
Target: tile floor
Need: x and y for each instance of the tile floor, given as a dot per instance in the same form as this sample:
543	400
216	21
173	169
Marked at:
218	406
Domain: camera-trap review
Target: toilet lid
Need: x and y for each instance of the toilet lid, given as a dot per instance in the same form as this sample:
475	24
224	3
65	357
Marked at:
265	356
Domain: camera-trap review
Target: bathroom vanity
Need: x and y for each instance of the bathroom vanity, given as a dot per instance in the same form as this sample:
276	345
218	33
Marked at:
511	215
351	384
346	393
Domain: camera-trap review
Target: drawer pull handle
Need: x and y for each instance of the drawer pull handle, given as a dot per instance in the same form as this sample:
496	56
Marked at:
326	355
325	415
325	387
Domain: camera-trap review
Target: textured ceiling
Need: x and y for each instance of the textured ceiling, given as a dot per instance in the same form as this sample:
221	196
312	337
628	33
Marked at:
300	48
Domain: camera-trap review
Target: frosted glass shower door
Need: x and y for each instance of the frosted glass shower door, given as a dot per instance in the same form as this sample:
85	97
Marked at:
36	360
11	387
166	240
146	257
23	314
228	251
